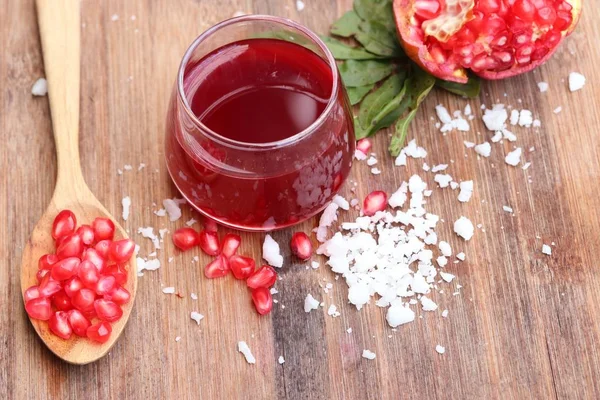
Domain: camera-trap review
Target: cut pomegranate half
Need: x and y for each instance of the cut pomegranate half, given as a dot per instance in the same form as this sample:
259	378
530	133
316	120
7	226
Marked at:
493	38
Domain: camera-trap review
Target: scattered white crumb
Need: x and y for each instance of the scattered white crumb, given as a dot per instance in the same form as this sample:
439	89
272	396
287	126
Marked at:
245	350
446	276
190	222
576	81
399	314
177	338
468	144
440	349
341	202
495	118
126	203
328	217
507	209
525	118
445	248
428	304
196	316
141	166
194	296
398	198
169	290
271	252
514	117
148	233
127	167
332	311
463	227
466	191
514	157
299	5
461	256
484	149
310	303
114	17
371	161
375	171
543	86
557	110
315	264
439	167
281	360
143	265
368	354
40	87
443	180
445	314
359	155
546	249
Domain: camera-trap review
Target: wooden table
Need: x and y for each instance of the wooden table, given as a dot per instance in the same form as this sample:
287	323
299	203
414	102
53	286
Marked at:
526	325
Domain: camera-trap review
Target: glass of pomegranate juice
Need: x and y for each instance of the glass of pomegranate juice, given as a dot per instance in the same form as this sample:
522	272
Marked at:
259	131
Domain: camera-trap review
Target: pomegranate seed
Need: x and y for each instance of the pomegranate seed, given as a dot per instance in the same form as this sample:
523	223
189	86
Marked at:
64	224
210	225
47	261
426	9
209	242
78	323
100	332
104	229
119	295
185	238
364	146
73	286
119	272
88	274
488	6
86	233
262	299
301	245
231	242
31	293
564	19
48	286
102	248
70	246
61	301
375	201
64	269
524	10
59	325
218	268
41	274
83	300
107	310
39	308
539	53
121	251
95	258
264	277
105	284
242	267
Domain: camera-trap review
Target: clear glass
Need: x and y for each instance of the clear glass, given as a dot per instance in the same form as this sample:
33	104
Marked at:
257	186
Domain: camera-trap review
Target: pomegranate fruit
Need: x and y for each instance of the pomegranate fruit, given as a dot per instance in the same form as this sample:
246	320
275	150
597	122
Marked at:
121	251
78	322
107	310
493	38
64	224
104	229
39	308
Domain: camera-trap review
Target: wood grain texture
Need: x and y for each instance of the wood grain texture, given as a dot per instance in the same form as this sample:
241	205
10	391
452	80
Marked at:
526	325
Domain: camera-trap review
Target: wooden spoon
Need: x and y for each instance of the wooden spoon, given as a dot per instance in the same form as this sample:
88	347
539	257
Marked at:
59	22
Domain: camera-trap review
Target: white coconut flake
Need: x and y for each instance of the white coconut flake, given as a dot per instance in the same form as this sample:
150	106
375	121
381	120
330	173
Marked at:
328	217
445	314
446	276
190	222
507	209
332	311
439	167
514	157
468	145
375	171
546	250
440	349
399	314
143	265
461	256
341	202
368	354
466	191
557	110
400	160
525	118
127	167
40	87
514	117
495	118
245	350
194	296
543	86
172	208
299	5
359	155
271	252
281	360
126	203
398	198
445	248
428	304
497	137
371	161
168	290
148	233
310	303
443	180
576	81
464	228
196	316
160	213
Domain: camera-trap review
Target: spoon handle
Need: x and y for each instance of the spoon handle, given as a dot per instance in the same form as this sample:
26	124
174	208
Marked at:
60	26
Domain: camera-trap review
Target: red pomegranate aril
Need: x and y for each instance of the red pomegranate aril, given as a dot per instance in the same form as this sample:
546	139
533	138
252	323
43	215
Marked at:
121	251
104	229
84	300
241	267
78	322
209	242
301	245
119	295
489	6
39	308
375	201
364	146
264	277
107	310
49	286
31	293
61	301
47	261
102	248
86	233
88	274
262	299
66	268
426	9
210	225
185	238
105	284
524	10
231	242
100	332
64	224
118	271
70	246
72	286
59	325
217	268
41	274
95	258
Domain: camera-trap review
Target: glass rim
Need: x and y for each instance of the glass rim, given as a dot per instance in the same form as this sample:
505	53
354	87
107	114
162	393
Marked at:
215	136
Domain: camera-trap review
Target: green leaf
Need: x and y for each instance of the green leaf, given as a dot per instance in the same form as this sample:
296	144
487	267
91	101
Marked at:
380	33
385	117
342	51
356	94
469	89
399	136
361	73
347	25
376	10
375	101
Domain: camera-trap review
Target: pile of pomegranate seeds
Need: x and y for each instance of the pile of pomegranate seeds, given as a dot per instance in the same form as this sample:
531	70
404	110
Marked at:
80	287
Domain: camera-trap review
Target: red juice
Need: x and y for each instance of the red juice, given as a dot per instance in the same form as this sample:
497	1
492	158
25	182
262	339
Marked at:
259	145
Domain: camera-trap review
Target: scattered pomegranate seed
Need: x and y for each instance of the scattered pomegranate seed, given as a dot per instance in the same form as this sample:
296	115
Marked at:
64	269
64	224
83	300
86	233
70	246
100	332
78	323
31	293
185	238
73	286
104	229
61	301
107	310
242	267
262	299
48	286
218	268
210	225
264	277
121	251
209	242
47	261
105	284
375	201
102	248
301	246
231	242
59	325
39	308
364	145
119	295
119	272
